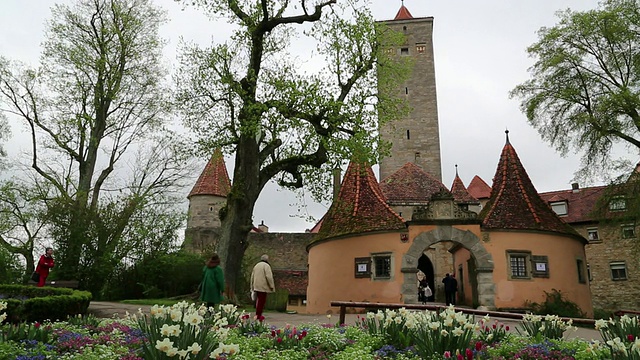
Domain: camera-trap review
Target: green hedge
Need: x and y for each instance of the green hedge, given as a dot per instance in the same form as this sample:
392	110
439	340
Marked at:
30	303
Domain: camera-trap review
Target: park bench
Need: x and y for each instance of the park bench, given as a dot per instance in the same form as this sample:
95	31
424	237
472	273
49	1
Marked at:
437	307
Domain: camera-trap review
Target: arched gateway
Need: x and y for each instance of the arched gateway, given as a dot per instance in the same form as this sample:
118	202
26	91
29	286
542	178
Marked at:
466	239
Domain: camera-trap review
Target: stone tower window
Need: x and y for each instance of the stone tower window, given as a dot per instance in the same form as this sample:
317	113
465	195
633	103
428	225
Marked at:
416	156
406	91
420	48
210	208
404	28
404	51
408	134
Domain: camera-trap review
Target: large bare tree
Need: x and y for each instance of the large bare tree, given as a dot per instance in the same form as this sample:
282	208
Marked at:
284	117
96	112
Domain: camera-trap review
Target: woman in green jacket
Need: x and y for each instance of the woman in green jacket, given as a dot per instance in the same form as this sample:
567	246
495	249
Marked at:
212	285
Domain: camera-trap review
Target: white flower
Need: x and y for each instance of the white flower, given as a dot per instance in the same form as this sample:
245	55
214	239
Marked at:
192	319
600	324
457	331
164	345
636	346
175	315
370	315
172	352
448	322
165	330
182	354
3	317
175	330
194	348
444	332
486	319
3	305
434	325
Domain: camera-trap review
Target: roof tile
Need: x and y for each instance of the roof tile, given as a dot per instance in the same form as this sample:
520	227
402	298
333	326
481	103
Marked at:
360	206
478	188
214	179
403	14
460	193
411	184
515	203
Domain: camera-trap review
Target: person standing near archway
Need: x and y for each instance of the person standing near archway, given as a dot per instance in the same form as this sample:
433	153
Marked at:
450	288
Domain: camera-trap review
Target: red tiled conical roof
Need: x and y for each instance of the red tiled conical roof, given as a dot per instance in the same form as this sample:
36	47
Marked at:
478	188
460	193
515	203
214	179
411	184
403	14
360	207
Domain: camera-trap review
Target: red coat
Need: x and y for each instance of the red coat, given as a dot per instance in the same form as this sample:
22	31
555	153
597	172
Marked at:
44	265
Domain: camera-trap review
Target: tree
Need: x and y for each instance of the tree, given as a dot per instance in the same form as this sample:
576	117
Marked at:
97	101
248	97
584	90
22	220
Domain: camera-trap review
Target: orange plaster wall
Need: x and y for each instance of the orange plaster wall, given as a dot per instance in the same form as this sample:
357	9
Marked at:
332	272
562	254
461	257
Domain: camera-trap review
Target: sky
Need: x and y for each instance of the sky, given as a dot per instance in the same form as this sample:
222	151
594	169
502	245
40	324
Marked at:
480	55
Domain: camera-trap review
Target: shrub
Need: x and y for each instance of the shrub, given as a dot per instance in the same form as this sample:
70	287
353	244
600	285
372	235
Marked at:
29	303
556	304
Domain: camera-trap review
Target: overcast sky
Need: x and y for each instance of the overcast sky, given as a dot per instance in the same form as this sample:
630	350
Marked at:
479	56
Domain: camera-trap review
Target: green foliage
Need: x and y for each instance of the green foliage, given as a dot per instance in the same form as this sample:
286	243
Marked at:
155	276
581	94
548	326
556	304
11	269
29	303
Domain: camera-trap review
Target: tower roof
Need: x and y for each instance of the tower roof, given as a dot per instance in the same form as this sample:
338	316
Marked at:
411	184
460	193
360	206
515	204
214	179
478	188
403	14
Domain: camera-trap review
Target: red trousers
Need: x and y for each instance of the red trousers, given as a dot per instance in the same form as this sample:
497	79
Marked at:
261	299
43	278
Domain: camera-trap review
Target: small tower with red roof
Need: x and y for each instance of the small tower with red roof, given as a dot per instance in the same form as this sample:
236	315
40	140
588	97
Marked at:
206	198
416	137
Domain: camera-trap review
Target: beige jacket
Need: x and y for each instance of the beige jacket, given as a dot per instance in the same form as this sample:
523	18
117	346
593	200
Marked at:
262	278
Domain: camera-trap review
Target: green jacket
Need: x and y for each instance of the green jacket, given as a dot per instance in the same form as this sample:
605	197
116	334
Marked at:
212	285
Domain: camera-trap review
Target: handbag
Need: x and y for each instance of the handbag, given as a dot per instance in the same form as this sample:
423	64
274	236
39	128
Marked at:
35	276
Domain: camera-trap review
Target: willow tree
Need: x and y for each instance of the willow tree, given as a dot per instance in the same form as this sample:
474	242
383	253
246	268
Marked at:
286	115
584	90
96	112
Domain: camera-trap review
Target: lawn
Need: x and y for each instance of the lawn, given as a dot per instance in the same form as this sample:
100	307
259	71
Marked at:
185	331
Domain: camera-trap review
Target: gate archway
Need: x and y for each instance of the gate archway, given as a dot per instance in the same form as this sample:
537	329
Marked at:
467	239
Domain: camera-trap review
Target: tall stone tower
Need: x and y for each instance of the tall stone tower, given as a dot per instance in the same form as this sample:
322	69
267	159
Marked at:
415	138
207	197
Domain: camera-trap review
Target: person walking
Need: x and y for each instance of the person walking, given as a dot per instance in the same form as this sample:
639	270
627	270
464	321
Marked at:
212	285
262	283
424	291
450	288
44	265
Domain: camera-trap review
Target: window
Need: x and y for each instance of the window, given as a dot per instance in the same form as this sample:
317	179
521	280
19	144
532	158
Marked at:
390	51
420	48
382	266
589	272
519	264
592	235
404	51
618	203
559	207
628	231
580	266
618	270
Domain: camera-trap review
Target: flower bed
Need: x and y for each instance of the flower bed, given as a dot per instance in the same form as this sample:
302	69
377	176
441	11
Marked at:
184	331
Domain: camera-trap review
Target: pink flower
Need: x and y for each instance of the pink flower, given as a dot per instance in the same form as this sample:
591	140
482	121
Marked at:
507	328
630	337
36	325
447	354
478	345
279	340
469	354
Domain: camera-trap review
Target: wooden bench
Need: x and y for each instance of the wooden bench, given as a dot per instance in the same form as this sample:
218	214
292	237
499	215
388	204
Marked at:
72	284
438	307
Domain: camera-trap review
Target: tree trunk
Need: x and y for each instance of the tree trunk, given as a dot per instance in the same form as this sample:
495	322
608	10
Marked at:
237	220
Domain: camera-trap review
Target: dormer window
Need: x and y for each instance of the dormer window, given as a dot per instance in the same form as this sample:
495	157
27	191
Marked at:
618	203
560	208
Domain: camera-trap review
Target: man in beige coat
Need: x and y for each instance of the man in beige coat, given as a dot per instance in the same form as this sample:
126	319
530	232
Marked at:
262	283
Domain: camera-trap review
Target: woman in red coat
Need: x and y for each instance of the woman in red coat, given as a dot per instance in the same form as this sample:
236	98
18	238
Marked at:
44	265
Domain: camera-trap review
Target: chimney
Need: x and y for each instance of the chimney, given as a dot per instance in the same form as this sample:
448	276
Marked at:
263	227
575	187
336	182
